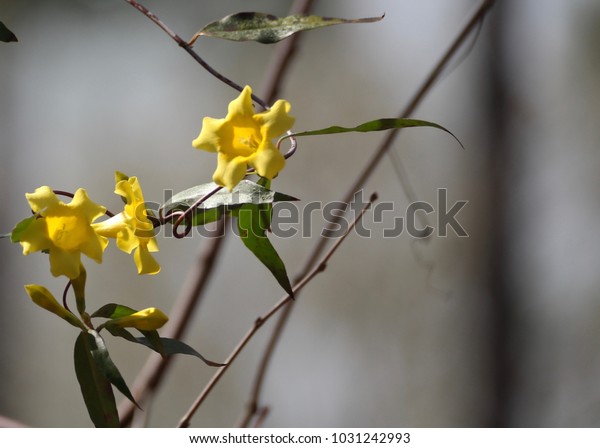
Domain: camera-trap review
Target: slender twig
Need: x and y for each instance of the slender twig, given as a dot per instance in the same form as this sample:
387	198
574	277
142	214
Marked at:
188	48
360	181
259	322
155	368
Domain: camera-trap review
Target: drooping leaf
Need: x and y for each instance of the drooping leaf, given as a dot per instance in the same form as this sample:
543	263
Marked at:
176	347
155	341
15	235
6	35
169	346
106	364
96	389
382	124
246	192
252	228
267	28
113	311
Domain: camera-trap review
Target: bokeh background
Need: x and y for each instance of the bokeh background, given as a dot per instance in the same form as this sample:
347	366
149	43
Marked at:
497	329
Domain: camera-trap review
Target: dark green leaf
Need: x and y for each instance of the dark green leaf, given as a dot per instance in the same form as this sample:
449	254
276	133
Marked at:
96	389
6	35
175	347
382	124
114	311
266	28
155	341
246	192
167	346
15	235
252	229
106	364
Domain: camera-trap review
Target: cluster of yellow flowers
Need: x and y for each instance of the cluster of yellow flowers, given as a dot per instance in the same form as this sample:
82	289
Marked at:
65	231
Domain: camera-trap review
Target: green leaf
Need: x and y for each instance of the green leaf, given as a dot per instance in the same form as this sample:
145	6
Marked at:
15	235
252	228
6	35
267	28
169	346
155	341
382	124
113	311
246	192
106	364
175	347
96	389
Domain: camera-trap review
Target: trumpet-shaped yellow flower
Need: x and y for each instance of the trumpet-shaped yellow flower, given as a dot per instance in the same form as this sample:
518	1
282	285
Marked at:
63	230
148	319
131	228
244	138
44	298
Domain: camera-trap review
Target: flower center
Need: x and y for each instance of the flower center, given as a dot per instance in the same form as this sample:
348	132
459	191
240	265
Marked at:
67	232
245	140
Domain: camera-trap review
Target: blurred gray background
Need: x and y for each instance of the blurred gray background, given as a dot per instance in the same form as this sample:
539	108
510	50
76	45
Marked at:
502	331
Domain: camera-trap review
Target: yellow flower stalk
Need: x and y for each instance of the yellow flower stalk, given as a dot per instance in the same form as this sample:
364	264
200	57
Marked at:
131	228
147	320
44	298
63	230
244	138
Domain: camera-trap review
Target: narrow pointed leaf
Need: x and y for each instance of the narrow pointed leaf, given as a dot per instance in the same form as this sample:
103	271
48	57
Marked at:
169	346
176	347
246	192
155	341
382	124
6	35
252	229
267	28
96	389
107	366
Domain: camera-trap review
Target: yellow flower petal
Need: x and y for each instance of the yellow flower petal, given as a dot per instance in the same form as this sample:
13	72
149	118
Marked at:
244	137
44	298
230	171
148	319
268	162
64	230
145	262
276	121
132	229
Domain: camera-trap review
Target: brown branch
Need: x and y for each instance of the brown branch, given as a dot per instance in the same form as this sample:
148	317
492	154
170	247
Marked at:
259	322
360	181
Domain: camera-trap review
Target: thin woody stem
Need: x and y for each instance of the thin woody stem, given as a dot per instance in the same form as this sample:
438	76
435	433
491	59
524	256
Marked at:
153	372
360	181
259	322
188	48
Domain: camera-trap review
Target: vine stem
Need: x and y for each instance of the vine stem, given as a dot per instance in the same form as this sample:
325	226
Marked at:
359	182
188	48
259	322
155	368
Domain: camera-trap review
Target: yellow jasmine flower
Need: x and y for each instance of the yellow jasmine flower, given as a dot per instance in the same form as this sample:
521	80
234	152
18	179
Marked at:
244	138
148	319
131	228
63	230
44	298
